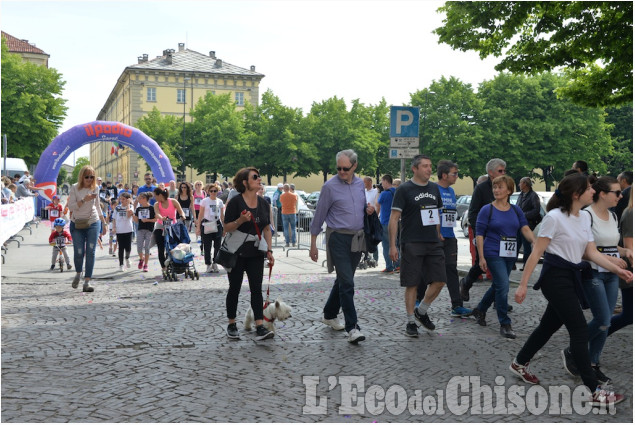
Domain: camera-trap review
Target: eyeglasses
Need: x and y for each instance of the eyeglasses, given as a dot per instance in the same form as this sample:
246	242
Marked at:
255	177
89	177
453	174
213	191
148	180
617	193
501	171
345	169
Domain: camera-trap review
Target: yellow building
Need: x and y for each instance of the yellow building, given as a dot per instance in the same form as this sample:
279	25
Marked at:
173	83
26	50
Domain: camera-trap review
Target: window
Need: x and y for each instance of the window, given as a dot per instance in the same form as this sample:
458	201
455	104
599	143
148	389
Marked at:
180	95
151	95
209	178
240	98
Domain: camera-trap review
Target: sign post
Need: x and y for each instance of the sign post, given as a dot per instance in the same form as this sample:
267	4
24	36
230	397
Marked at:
404	134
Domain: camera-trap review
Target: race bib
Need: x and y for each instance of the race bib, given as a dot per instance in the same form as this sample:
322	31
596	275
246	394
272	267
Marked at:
197	201
55	213
448	218
430	216
186	212
508	245
144	214
610	251
121	213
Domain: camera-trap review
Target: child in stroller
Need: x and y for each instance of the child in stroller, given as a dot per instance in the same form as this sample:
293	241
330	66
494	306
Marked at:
179	258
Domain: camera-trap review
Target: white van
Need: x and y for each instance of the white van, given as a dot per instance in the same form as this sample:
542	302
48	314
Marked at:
14	166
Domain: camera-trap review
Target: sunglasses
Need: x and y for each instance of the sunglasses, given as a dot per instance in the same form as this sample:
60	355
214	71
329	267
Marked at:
453	174
501	171
346	169
89	177
255	177
213	191
617	193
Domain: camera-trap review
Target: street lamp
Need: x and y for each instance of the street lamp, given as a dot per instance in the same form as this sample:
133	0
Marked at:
185	80
425	114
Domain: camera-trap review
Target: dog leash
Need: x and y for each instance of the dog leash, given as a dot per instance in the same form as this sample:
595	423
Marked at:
270	265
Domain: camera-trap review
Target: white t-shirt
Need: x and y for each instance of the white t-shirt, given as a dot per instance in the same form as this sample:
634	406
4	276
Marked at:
212	208
371	196
605	232
123	223
569	234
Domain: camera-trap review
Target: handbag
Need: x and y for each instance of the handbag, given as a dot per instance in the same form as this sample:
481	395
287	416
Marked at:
210	227
226	258
81	223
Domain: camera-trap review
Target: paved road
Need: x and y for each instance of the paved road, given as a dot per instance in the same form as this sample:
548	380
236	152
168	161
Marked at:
133	351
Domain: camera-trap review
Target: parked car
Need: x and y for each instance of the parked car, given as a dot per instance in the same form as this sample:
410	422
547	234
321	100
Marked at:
305	214
312	199
462	204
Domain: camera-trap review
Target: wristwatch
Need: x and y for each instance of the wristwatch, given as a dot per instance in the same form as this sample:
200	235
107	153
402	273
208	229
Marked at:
269	250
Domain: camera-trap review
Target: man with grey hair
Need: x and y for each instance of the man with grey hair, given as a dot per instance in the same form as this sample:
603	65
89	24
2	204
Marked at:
342	206
481	196
529	202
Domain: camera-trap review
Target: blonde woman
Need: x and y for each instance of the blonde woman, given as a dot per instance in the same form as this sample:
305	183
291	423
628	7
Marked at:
198	195
209	225
87	223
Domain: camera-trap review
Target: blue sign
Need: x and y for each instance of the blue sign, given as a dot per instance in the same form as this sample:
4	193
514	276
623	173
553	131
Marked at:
404	121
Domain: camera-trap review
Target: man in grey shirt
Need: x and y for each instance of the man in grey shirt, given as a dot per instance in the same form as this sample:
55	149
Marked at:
342	206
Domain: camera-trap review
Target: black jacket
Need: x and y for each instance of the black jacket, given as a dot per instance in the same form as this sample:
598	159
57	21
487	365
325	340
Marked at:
530	204
481	196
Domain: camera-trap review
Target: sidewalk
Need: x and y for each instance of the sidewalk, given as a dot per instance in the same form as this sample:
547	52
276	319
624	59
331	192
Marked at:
139	349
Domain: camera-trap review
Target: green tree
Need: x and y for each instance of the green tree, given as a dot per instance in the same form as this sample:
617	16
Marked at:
215	139
62	176
524	123
592	41
272	133
621	121
380	124
32	107
365	138
167	131
81	161
449	125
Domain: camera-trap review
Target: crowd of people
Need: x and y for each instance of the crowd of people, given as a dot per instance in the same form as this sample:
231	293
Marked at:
585	238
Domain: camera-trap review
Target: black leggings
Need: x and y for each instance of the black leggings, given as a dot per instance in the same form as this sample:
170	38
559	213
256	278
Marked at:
563	309
124	241
207	240
254	268
160	241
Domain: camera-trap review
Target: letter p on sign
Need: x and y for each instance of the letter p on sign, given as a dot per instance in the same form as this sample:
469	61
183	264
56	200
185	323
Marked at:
404	121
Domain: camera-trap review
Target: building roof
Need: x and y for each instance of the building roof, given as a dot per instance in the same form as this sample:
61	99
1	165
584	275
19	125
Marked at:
190	61
16	45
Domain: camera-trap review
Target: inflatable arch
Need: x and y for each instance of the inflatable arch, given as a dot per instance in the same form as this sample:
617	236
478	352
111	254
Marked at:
62	146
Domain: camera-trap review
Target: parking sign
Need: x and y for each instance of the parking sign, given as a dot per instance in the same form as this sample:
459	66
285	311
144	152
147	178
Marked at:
404	121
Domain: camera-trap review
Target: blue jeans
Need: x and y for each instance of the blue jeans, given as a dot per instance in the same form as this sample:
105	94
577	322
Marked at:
341	295
390	265
84	244
288	220
500	267
625	318
601	292
526	247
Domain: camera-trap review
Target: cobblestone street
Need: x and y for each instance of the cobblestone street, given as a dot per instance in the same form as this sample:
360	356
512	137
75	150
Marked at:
136	351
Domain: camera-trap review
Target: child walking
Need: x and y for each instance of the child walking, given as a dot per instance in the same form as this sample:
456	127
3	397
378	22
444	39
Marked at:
122	227
58	239
144	216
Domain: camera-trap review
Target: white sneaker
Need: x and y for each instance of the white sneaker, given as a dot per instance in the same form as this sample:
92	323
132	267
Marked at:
122	268
127	263
334	324
355	336
209	269
214	268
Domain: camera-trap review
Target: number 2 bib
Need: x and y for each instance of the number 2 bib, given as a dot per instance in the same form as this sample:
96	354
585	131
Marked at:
430	216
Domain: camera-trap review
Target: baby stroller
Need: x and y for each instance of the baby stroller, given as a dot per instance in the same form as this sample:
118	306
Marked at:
179	259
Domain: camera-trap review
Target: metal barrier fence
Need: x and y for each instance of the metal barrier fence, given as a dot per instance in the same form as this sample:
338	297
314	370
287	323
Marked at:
303	234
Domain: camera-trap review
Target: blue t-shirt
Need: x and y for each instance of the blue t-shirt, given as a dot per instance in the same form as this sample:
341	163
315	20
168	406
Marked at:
150	189
503	223
385	205
448	212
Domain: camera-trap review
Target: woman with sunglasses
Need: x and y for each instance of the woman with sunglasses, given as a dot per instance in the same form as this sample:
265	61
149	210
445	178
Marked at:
86	223
186	201
211	216
565	238
601	291
198	195
250	214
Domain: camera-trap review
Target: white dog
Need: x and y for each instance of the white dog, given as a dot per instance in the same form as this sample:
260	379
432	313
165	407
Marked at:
278	310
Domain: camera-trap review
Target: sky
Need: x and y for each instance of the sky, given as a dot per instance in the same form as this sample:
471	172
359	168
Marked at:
308	51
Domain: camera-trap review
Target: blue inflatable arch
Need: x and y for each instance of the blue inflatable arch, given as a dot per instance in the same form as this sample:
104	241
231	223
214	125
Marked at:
62	146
